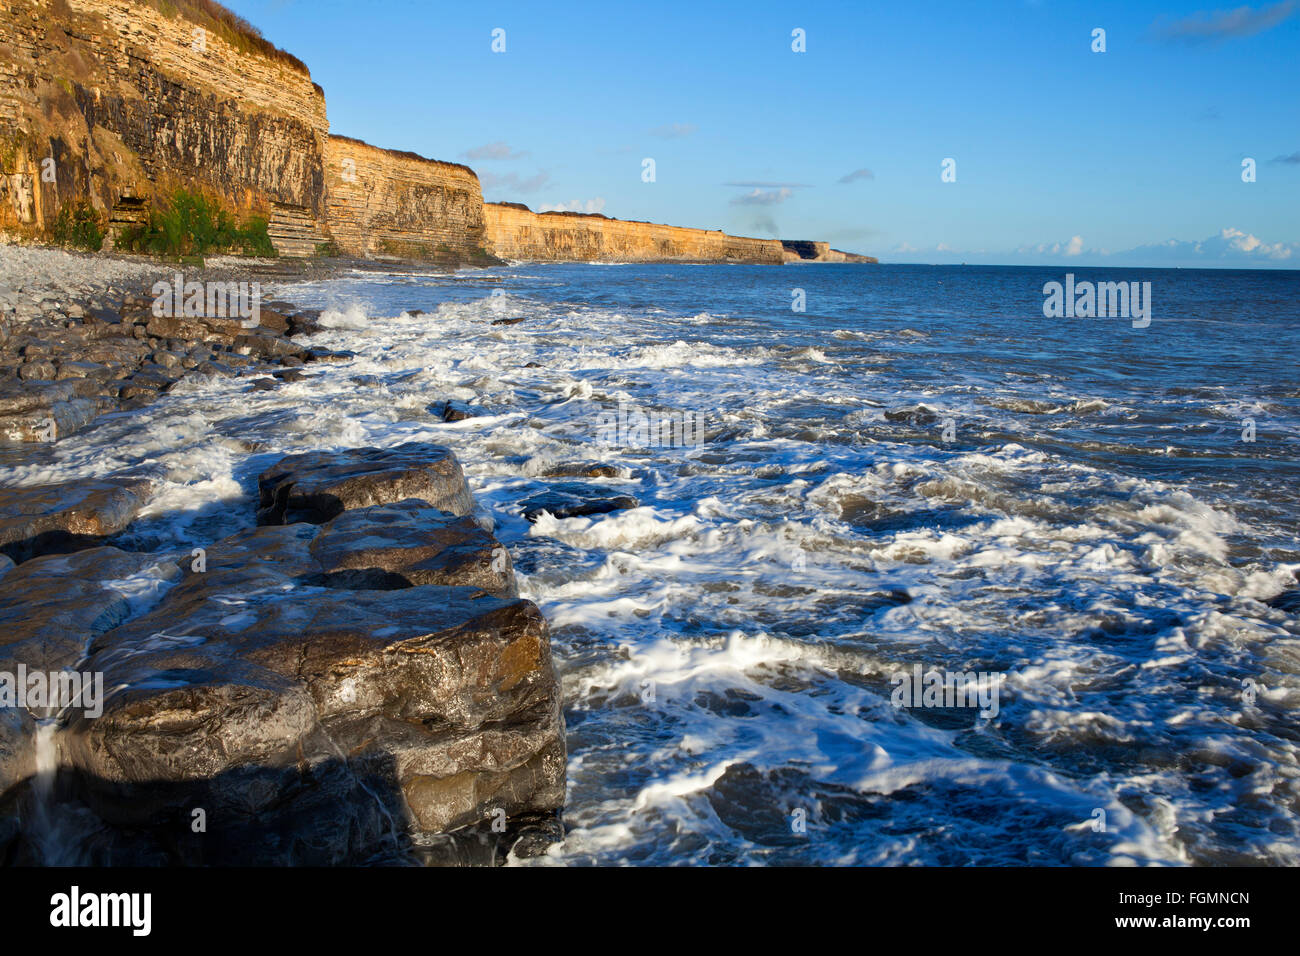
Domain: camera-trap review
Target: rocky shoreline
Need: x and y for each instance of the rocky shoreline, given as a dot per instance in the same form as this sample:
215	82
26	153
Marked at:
354	680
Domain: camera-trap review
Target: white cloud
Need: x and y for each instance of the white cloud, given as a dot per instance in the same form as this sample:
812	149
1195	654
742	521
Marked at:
856	175
763	197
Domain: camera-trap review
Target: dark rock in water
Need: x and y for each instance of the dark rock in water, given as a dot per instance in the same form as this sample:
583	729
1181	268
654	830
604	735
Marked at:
69	516
312	725
273	320
411	543
510	321
305	322
1288	601
456	411
533	365
290	375
317	486
913	414
574	499
265	384
582	469
327	355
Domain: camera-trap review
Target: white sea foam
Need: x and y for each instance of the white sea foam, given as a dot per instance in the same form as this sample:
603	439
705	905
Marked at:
726	646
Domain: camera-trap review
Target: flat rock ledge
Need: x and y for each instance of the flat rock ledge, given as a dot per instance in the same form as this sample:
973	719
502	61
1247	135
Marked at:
317	486
367	688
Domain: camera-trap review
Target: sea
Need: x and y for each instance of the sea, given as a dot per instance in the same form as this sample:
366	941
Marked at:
891	479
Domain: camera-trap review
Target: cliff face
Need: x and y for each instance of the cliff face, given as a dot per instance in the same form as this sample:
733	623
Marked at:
382	202
113	103
128	101
514	232
803	250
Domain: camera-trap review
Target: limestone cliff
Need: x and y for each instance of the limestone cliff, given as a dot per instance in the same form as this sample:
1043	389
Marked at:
802	250
515	232
112	104
382	202
128	100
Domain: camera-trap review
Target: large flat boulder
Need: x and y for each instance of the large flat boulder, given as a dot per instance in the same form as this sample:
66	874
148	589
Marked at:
412	543
67	516
304	686
317	486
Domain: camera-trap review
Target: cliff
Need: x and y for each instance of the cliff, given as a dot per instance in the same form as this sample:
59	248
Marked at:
129	101
382	202
113	104
803	250
515	232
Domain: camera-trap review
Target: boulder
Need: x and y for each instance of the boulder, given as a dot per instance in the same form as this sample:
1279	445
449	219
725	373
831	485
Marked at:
412	543
571	499
317	486
67	516
311	720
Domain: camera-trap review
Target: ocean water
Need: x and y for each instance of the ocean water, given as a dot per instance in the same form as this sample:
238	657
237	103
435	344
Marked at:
918	469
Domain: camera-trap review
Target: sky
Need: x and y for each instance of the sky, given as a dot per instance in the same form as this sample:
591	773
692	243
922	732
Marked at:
1062	154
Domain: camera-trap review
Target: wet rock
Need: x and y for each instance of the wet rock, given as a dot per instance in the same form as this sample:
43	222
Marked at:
411	543
92	370
273	320
510	321
574	499
290	375
304	322
41	370
317	486
324	726
264	384
314	725
456	411
68	516
328	355
154	377
913	415
51	608
582	469
52	418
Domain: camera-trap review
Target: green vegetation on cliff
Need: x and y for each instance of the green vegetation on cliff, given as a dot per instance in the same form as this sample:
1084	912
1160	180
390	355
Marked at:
192	224
78	226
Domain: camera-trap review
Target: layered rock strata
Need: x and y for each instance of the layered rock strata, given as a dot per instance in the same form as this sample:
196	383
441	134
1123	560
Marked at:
515	232
366	689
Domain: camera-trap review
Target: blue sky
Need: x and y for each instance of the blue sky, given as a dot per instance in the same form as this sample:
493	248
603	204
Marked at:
1063	155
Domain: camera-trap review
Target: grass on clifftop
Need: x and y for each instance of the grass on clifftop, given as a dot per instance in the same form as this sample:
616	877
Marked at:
231	27
191	224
